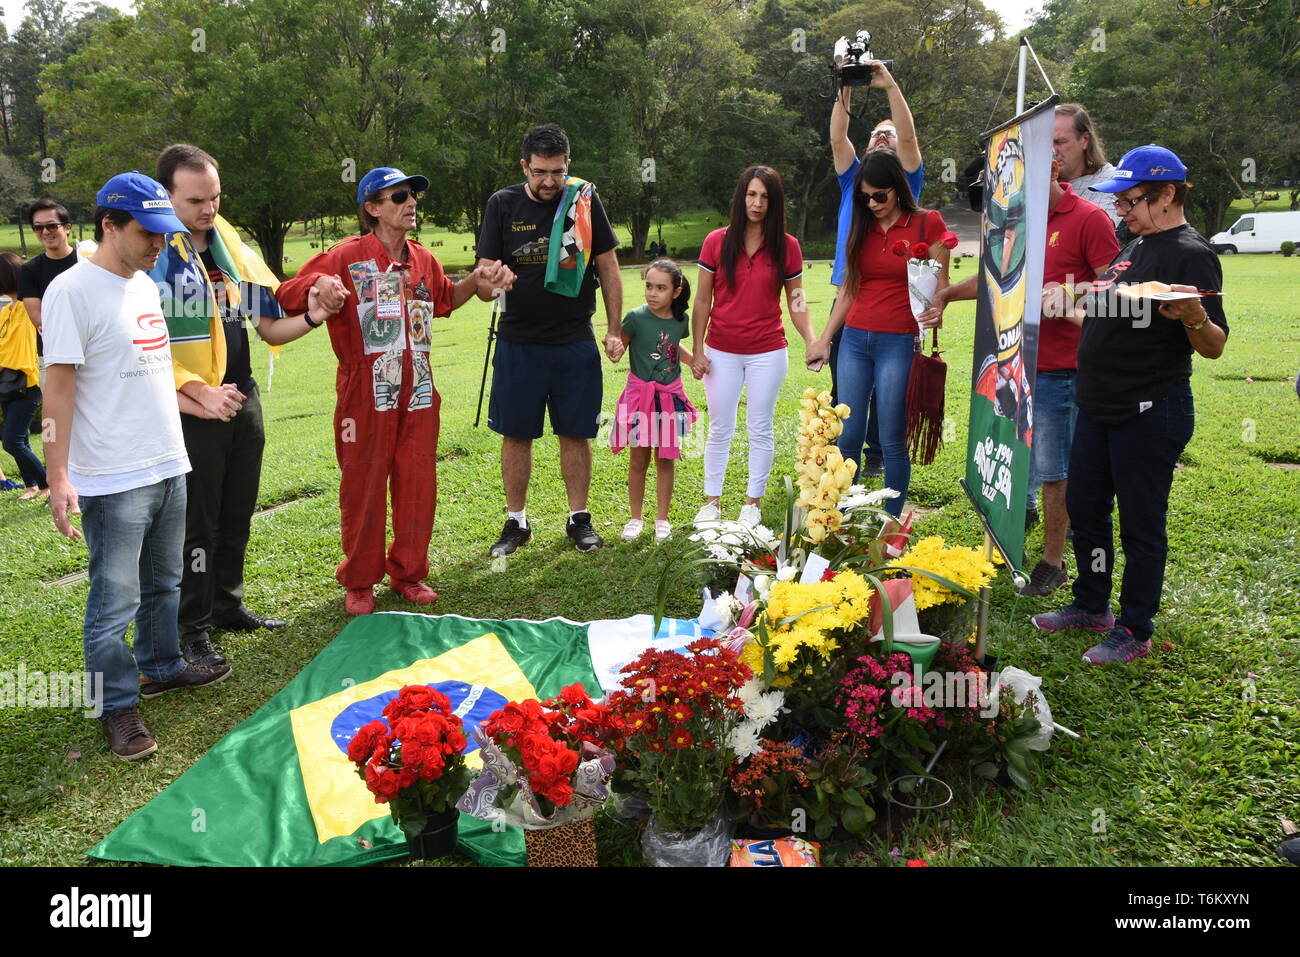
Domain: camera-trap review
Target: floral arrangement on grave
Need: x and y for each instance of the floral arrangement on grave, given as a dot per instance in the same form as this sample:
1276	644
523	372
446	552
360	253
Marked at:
544	763
413	760
684	717
942	609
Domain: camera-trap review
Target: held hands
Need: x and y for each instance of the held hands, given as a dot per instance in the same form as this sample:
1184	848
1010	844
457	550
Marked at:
494	278
700	365
816	356
614	347
330	294
63	502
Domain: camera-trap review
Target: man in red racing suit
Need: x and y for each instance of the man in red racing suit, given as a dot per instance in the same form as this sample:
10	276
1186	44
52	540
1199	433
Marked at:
386	416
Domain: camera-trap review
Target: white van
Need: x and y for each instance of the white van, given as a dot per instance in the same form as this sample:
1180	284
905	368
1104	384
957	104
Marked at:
1259	233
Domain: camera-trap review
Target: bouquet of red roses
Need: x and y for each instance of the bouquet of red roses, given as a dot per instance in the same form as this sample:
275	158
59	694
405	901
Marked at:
544	763
414	762
922	270
679	714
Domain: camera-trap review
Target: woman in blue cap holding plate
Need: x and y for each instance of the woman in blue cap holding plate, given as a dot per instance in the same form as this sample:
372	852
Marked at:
1156	304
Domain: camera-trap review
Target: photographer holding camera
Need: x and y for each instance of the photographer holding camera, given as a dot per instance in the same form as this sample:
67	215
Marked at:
897	134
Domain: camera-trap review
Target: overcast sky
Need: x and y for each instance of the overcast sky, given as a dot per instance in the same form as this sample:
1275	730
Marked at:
1013	12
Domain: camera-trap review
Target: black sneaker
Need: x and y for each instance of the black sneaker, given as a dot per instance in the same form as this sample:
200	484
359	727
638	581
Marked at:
584	536
198	649
1045	579
512	536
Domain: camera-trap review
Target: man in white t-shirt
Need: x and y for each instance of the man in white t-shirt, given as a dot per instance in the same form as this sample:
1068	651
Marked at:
116	456
1083	158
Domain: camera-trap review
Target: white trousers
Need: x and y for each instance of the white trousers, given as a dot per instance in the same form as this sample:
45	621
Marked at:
762	373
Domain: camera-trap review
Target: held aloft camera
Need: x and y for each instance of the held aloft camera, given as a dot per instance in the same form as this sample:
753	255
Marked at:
852	57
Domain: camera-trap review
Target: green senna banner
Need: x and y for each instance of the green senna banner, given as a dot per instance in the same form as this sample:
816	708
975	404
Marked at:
1017	171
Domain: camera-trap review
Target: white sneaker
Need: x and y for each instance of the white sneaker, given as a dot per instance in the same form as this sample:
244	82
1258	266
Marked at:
662	531
632	530
709	513
751	515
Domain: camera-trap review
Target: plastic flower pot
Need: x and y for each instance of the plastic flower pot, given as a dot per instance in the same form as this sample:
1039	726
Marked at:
707	846
568	845
438	839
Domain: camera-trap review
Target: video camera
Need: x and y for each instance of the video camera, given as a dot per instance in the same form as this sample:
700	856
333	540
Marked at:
851	58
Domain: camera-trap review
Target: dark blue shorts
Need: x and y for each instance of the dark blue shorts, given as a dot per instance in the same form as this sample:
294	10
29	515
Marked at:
527	380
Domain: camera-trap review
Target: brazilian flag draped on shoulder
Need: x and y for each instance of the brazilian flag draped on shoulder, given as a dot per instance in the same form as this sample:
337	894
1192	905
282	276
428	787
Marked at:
569	250
189	302
279	790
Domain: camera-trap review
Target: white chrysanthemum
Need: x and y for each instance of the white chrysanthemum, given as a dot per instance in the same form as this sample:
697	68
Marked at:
765	535
765	709
744	741
750	691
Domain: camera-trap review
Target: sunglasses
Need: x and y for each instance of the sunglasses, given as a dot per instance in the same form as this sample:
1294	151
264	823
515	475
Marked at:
399	197
1124	205
881	196
52	227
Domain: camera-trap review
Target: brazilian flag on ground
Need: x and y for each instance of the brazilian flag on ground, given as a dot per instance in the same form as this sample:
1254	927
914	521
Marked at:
279	789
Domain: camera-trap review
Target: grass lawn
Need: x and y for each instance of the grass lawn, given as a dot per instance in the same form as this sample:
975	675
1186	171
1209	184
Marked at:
1189	756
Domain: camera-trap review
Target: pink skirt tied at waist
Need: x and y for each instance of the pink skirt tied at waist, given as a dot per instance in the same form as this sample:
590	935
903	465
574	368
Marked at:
646	411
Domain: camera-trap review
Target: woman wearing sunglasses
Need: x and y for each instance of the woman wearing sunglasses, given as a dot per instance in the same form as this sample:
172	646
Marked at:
880	333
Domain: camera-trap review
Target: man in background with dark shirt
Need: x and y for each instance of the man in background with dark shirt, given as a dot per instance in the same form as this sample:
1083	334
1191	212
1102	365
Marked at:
212	365
53	227
547	355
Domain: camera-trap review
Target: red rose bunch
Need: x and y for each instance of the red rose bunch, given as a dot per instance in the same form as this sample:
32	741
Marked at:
421	741
921	251
900	247
949	240
546	740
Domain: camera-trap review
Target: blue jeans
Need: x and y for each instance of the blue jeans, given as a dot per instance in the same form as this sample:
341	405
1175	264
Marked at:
18	416
873	418
1054	416
1132	462
135	540
877	363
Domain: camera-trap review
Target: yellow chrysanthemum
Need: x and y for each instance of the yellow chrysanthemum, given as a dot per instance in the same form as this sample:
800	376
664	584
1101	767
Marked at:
966	567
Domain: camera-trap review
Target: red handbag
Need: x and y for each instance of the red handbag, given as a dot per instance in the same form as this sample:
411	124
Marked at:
925	394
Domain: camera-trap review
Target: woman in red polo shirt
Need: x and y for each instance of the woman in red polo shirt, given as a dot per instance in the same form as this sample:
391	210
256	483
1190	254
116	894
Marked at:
743	269
880	332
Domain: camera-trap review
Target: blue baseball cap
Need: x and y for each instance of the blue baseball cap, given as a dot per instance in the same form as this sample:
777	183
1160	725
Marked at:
143	198
1148	163
384	176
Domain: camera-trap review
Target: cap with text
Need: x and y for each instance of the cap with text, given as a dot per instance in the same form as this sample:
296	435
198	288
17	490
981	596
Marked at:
143	198
383	177
1145	164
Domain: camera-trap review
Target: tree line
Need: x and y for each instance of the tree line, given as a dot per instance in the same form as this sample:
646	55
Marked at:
664	101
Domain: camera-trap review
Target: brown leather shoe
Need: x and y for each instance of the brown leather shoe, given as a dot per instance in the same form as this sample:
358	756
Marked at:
128	738
194	676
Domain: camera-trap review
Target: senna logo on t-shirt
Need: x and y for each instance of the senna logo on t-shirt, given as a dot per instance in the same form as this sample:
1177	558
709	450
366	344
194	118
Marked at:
154	331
